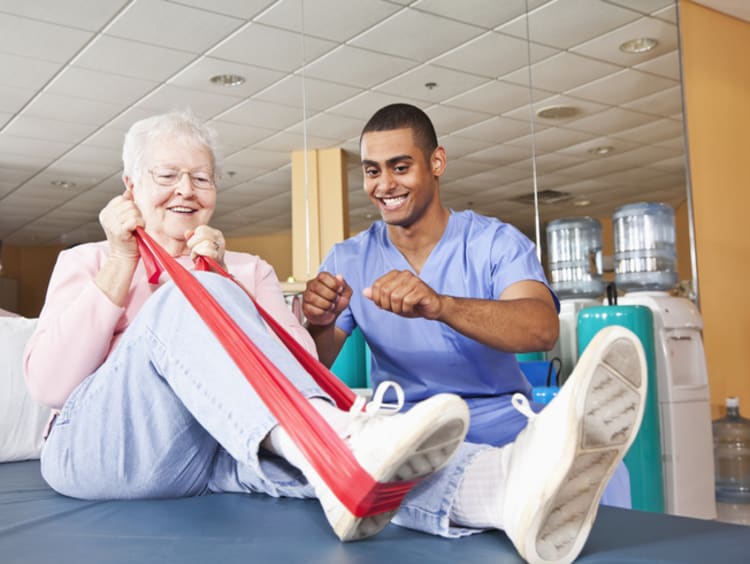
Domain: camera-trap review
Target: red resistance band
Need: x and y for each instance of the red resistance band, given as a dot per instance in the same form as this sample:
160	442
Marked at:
323	448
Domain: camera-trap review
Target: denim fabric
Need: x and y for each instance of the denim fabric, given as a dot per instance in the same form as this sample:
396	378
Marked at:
154	419
170	415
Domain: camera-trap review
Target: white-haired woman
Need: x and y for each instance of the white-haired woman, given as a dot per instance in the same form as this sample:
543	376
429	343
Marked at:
149	404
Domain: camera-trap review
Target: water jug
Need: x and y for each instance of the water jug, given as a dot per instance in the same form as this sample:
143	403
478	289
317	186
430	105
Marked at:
573	246
644	237
732	455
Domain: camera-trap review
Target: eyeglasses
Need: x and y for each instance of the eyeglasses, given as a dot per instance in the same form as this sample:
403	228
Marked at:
168	177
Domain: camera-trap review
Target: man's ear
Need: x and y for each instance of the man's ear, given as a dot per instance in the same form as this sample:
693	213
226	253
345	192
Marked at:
438	161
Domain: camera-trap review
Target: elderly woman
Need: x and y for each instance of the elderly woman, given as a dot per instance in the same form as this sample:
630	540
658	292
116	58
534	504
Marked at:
148	403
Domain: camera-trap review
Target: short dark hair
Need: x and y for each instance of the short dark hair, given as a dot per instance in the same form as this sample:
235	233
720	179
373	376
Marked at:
405	116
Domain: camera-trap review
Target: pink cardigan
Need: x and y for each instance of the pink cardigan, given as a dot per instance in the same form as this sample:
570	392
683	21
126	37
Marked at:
79	325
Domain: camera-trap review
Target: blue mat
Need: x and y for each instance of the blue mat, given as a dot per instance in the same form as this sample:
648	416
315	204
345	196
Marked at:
39	526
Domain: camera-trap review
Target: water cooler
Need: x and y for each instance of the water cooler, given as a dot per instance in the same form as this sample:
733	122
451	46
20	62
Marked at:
645	268
574	248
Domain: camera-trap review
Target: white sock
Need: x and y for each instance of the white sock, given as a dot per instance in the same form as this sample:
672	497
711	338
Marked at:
279	441
481	493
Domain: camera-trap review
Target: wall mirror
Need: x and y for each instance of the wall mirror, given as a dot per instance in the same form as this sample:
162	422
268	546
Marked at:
602	113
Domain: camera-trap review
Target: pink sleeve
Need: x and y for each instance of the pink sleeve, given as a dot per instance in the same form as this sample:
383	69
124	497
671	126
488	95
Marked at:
74	332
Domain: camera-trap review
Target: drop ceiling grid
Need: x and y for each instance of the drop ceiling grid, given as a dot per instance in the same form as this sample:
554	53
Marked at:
153	77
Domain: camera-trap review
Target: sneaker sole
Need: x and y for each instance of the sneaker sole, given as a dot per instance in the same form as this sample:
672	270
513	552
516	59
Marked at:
418	454
612	410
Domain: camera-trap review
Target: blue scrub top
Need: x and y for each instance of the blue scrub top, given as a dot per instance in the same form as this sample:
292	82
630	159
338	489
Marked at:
477	257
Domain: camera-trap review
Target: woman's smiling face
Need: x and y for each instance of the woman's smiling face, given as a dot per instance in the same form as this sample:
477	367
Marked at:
170	211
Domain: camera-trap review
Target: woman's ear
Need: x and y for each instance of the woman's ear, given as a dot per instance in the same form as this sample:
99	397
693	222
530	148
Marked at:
128	184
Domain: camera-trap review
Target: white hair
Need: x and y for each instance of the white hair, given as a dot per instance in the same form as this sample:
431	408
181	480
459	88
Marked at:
183	125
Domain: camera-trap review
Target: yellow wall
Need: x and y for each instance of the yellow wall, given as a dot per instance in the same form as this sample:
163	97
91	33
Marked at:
31	267
717	88
275	249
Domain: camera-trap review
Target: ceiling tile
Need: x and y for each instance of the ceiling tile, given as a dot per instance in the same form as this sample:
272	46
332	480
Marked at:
167	98
566	23
666	65
197	76
108	159
664	103
329	126
357	67
607	47
621	87
290	140
96	85
550	139
352	17
233	137
415	83
457	147
245	9
562	72
496	97
74	110
668	14
476	56
107	137
499	155
36	148
316	94
73	13
644	6
20	36
268	160
12	100
584	107
446	120
496	130
147	21
610	121
131	58
483	13
364	105
653	132
50	129
271	48
24	72
262	114
444	34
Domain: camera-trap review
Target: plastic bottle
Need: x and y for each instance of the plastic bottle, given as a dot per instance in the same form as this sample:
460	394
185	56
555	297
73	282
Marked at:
732	455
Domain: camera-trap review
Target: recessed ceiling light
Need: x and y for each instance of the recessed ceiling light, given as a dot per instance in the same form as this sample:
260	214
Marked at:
557	112
640	45
227	79
601	151
63	184
582	203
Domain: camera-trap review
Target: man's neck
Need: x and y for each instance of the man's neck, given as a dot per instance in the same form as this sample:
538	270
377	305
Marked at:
417	240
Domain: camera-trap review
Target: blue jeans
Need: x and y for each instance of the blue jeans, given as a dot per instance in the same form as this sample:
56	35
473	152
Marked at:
169	414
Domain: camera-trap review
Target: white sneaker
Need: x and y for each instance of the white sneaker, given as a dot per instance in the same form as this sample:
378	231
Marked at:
396	447
560	464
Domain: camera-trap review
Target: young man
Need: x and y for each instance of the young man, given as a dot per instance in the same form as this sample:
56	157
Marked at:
445	299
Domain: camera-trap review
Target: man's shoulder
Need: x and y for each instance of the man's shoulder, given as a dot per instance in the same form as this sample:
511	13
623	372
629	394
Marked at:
475	223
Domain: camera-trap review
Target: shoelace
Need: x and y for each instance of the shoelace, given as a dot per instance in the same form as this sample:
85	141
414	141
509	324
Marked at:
320	444
521	403
376	405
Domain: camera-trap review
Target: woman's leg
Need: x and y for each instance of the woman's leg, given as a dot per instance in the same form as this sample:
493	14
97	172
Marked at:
148	422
